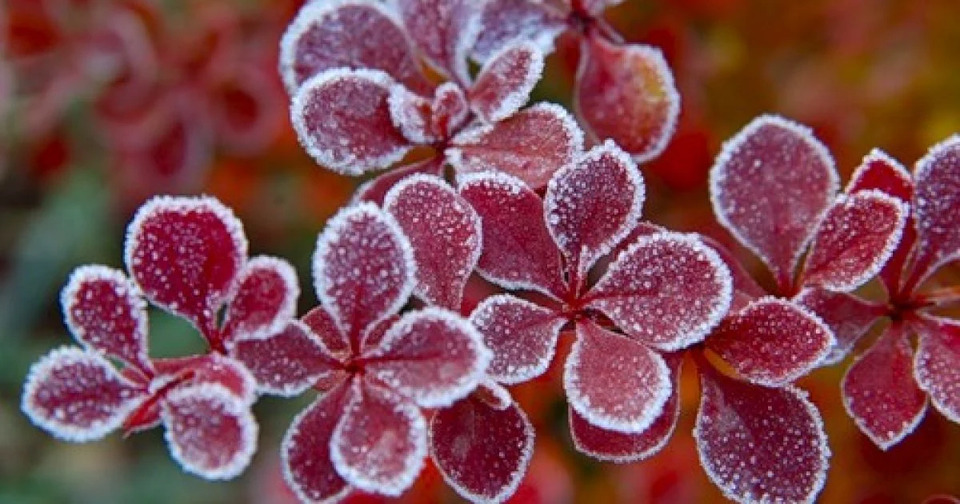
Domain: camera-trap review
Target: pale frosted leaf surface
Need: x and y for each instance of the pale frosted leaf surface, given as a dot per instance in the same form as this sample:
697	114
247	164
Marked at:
324	327
493	394
363	268
342	118
432	356
937	364
854	240
596	7
847	316
266	298
77	395
288	362
445	233
375	333
213	369
443	31
482	452
505	81
769	187
772	341
450	110
210	431
879	391
505	21
104	311
667	290
881	172
619	447
614	382
305	451
518	251
760	444
186	253
626	93
531	144
376	189
353	34
411	114
380	443
936	205
593	204
521	335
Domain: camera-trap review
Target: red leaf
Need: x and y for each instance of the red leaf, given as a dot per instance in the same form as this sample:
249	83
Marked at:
445	233
593	204
936	207
77	395
104	311
769	187
521	335
381	441
374	190
266	299
879	391
482	452
847	316
305	450
287	362
363	268
213	369
329	333
354	34
342	118
210	431
614	382
505	21
612	446
760	444
531	144
505	81
412	114
186	255
772	341
745	288
668	290
880	171
626	93
443	31
449	110
937	364
854	240
518	252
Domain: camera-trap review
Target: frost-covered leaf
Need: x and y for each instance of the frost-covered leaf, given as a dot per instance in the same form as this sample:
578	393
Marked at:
305	451
380	443
186	254
626	93
77	395
879	391
482	452
760	444
612	446
518	252
614	382
505	81
266	298
769	186
354	34
213	369
432	356
287	362
745	288
505	21
342	118
854	240
443	31
521	335
847	316
450	110
411	114
531	144
772	341
445	233
363	268
210	431
936	206
937	364
326	329
880	171
376	189
592	204
668	290
104	311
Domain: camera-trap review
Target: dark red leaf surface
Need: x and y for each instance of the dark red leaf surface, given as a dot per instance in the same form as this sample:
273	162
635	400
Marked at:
848	317
376	189
504	21
443	31
937	364
265	300
505	81
936	206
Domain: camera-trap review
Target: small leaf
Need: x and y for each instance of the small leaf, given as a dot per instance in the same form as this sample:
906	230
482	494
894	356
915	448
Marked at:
880	171
266	299
937	364
505	81
443	31
936	206
326	329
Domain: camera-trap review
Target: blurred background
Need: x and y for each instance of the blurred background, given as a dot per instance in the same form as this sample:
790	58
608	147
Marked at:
104	103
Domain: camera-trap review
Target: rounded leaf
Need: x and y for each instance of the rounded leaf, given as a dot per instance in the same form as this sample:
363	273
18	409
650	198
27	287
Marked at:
443	31
505	21
937	364
505	81
936	206
265	301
